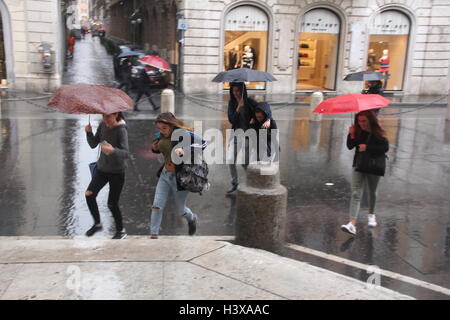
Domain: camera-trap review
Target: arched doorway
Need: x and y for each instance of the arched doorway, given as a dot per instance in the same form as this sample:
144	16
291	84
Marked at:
318	48
246	36
388	44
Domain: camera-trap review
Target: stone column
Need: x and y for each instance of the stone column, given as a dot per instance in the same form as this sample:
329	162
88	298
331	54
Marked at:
168	101
261	209
316	98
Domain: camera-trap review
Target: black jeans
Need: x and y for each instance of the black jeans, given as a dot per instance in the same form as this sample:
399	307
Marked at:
116	182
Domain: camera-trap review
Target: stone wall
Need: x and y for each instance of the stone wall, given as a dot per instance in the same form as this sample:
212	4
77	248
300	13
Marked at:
30	23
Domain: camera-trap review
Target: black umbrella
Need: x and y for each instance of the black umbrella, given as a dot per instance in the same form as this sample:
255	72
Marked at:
364	76
243	75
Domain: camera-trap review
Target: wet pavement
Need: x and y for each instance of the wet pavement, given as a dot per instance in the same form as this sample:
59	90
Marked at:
44	171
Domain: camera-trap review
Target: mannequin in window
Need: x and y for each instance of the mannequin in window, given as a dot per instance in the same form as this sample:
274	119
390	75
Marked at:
247	58
384	67
371	60
233	58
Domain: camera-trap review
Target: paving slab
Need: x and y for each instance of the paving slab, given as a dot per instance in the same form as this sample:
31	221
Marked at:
176	268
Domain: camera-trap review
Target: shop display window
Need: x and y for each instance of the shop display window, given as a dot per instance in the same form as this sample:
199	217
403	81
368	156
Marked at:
246	41
317	50
388	44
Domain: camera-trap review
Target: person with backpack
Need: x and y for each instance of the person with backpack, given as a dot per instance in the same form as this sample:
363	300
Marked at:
371	144
112	136
168	181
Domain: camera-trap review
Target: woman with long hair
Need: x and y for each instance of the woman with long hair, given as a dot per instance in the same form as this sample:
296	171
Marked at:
365	135
167	124
112	136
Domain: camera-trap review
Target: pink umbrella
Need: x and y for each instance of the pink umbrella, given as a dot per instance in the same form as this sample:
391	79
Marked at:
90	99
352	103
157	62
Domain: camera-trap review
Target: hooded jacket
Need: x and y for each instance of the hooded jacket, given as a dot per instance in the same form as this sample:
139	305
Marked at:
242	119
265	107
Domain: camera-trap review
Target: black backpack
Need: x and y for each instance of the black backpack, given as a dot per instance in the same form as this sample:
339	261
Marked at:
193	177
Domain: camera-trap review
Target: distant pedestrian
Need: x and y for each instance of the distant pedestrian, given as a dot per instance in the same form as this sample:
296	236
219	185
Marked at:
70	45
262	112
143	86
167	183
241	111
113	139
371	143
374	87
125	73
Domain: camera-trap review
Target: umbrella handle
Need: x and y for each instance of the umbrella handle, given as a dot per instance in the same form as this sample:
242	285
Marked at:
89	119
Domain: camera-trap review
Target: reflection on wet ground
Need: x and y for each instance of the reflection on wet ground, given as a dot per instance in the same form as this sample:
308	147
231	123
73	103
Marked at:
44	174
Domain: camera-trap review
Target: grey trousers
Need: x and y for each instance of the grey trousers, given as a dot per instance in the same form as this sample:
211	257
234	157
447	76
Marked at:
360	182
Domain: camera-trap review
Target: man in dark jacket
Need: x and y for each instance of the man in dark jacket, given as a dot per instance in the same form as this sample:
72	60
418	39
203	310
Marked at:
262	112
143	86
125	73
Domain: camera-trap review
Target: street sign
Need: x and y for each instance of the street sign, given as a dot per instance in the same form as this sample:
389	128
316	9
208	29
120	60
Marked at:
182	24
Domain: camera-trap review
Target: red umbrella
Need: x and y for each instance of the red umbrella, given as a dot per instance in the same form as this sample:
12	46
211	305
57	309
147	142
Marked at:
90	99
157	62
352	103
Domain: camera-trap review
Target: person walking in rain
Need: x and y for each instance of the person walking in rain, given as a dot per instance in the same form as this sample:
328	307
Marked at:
241	111
374	87
366	135
167	183
125	73
143	86
113	139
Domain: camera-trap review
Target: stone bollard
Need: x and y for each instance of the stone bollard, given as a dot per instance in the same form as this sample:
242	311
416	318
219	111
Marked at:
316	98
261	209
168	101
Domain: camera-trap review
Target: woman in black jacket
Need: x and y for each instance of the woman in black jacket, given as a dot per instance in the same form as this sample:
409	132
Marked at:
368	137
374	87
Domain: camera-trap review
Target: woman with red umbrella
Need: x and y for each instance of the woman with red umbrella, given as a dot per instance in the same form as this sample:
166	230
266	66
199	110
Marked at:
371	144
113	139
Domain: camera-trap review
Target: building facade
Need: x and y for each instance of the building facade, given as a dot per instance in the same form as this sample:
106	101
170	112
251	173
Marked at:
310	45
25	25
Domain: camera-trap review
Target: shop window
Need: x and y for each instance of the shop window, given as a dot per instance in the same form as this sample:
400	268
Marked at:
246	41
318	50
388	44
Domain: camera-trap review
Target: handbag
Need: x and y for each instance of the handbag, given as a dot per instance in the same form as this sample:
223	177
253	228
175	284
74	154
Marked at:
93	168
369	163
93	165
366	162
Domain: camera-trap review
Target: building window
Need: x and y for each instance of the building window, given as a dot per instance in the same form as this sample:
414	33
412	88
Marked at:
388	44
318	50
246	34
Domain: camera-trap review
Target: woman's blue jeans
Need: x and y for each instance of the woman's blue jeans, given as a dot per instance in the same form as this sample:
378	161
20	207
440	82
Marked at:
166	184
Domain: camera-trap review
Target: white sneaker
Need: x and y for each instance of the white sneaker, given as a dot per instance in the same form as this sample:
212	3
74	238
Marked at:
372	220
349	228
